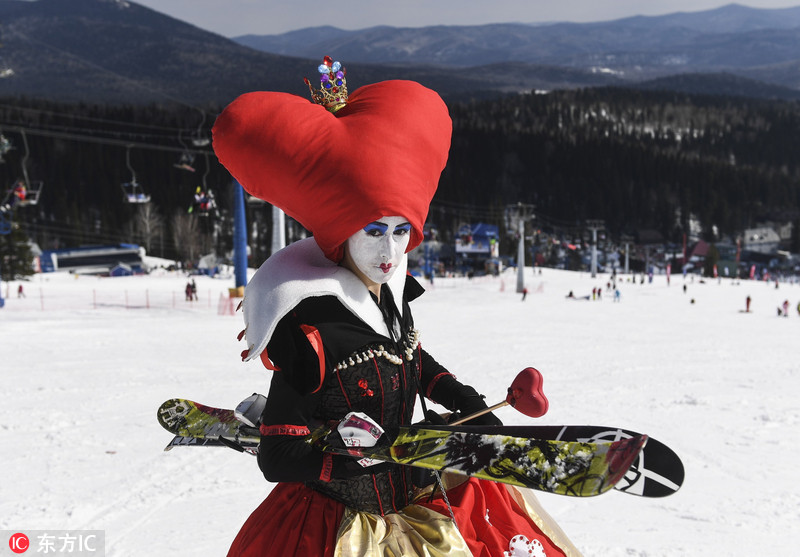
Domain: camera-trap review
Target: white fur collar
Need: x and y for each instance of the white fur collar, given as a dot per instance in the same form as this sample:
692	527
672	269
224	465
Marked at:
301	271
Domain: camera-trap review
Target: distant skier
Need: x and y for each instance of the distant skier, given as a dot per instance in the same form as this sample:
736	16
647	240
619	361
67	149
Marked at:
747	305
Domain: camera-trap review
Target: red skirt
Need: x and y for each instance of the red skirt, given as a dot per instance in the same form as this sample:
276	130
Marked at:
492	522
292	520
295	520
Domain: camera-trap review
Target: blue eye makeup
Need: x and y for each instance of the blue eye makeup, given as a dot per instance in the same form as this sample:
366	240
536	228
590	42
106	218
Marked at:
380	229
404	228
376	229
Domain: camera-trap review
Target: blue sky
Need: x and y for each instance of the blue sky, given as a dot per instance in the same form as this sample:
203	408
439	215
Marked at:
266	17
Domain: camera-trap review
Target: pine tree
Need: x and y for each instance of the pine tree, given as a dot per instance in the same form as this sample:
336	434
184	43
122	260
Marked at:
795	236
712	257
15	254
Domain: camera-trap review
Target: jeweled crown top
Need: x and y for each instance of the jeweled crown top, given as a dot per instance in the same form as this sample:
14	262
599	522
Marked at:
332	93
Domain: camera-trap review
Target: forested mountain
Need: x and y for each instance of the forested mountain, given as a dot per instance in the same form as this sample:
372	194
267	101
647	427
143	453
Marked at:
119	52
636	159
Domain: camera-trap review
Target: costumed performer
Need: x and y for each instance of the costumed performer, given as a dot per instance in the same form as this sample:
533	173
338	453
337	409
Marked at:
330	315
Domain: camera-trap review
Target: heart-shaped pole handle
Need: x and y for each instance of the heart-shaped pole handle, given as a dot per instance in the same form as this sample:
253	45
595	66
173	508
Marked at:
525	393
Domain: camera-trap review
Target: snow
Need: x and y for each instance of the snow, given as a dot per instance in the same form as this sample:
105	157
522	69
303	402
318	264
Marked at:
86	362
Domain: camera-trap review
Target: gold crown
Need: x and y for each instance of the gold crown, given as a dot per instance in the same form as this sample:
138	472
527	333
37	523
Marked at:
332	93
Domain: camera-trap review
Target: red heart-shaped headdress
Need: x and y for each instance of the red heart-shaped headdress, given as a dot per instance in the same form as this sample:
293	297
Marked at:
380	155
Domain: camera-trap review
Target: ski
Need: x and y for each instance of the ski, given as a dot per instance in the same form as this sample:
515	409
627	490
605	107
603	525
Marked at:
656	472
574	468
571	468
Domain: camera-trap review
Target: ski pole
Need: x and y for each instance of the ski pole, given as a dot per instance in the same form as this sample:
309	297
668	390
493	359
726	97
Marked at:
479	413
525	394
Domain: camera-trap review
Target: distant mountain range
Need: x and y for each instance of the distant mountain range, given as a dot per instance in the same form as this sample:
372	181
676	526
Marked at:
115	51
729	38
755	43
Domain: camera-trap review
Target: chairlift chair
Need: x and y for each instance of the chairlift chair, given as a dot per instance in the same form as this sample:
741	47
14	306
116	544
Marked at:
134	193
185	162
27	194
200	139
25	191
132	190
204	201
187	158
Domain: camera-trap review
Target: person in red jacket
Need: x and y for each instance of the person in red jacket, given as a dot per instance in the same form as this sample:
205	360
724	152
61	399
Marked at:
331	316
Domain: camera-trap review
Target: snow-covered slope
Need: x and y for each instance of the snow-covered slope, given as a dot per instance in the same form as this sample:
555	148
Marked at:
85	365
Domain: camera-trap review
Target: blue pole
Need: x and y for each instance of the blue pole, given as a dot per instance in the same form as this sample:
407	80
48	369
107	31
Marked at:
239	237
427	269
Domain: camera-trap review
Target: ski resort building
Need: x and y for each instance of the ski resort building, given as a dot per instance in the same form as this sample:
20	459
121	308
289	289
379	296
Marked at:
93	259
761	240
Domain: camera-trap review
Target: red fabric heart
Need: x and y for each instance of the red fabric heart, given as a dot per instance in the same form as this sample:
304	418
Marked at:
381	155
525	393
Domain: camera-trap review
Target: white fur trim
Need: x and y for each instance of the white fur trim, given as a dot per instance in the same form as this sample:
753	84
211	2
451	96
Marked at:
301	271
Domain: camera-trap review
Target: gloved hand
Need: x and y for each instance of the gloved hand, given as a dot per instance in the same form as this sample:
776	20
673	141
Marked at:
464	399
356	430
434	418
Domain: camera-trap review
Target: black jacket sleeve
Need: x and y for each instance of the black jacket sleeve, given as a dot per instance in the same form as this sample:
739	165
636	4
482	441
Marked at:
284	455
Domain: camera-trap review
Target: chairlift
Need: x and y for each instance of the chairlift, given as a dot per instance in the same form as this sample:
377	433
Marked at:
26	192
187	158
200	139
204	201
21	195
134	193
132	190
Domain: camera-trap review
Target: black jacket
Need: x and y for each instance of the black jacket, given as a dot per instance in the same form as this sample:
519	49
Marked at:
330	363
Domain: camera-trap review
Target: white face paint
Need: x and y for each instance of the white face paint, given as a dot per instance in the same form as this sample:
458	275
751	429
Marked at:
377	249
